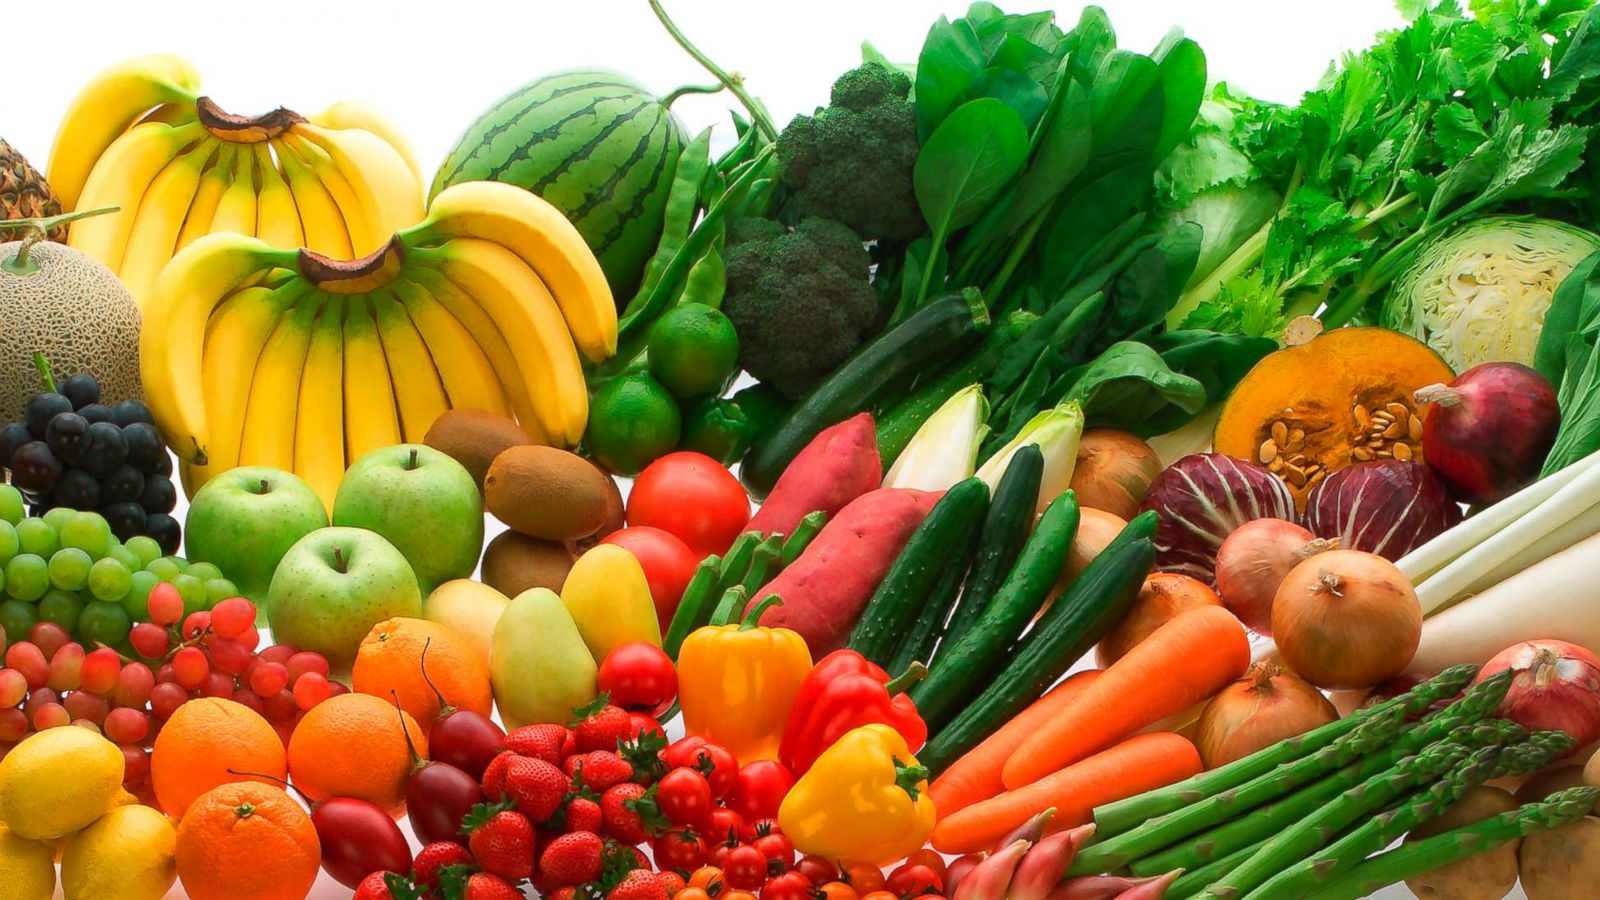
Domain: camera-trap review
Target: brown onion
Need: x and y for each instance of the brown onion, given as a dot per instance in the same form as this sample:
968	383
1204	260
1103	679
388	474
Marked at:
1253	561
1346	619
1556	686
1162	597
1267	705
1113	471
1096	528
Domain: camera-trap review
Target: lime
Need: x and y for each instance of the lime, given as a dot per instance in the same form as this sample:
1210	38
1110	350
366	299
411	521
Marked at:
632	420
11	506
693	350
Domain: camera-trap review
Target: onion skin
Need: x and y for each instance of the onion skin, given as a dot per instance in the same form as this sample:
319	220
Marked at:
1267	705
1161	599
1489	430
1346	619
1114	471
1096	529
1556	687
1253	562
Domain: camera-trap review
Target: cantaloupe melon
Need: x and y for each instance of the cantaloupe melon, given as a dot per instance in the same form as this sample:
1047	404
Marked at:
74	311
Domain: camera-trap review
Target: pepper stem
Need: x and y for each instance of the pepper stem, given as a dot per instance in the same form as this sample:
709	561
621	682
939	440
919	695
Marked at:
753	617
907	777
903	682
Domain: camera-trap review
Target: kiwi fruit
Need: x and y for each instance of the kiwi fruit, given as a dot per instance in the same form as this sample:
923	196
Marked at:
514	562
616	516
546	493
474	438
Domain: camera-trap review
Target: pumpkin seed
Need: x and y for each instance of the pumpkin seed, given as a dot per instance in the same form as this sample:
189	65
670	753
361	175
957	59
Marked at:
1414	428
1361	454
1402	451
1268	451
1397	409
1395	430
1363	417
1280	432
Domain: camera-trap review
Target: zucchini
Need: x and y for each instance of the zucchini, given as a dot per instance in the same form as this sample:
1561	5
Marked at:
896	603
1005	530
929	628
1091	606
964	669
695	606
933	334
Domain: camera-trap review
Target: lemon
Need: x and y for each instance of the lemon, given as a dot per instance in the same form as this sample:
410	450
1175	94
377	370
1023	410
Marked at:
129	853
57	781
27	868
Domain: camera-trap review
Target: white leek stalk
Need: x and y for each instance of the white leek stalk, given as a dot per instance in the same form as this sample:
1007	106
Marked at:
945	449
1056	431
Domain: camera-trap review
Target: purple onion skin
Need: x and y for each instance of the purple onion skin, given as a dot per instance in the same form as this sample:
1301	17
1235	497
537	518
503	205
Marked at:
1201	499
1388	507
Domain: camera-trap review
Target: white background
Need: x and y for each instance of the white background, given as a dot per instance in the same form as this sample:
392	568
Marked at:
434	66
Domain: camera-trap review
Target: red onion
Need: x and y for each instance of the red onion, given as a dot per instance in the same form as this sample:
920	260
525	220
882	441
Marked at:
1557	686
1489	430
1253	562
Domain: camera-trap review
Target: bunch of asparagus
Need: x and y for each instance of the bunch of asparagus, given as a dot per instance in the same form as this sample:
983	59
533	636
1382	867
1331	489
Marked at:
1300	818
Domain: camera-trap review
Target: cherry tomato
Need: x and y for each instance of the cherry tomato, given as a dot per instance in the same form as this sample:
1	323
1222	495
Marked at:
817	869
684	796
744	868
930	858
837	890
691	893
778	850
705	876
692	496
737	895
759	789
879	895
864	878
720	767
679	847
913	879
644	723
667	561
639	676
788	886
724	826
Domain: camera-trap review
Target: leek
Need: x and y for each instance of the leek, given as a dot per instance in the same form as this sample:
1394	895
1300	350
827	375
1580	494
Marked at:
945	448
1056	431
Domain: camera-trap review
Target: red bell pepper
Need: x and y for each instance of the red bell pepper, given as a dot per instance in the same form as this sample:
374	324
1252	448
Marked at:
841	693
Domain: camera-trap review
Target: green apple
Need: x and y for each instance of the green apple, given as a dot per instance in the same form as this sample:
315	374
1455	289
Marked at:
333	585
424	502
244	520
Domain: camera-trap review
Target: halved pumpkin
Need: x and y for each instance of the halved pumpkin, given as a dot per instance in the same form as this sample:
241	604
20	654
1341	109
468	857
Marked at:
1341	397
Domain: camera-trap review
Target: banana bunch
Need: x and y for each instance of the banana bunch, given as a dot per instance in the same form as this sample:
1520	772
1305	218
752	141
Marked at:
140	138
253	355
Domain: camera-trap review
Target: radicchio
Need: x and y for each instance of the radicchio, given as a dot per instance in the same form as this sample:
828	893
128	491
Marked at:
1201	499
1388	507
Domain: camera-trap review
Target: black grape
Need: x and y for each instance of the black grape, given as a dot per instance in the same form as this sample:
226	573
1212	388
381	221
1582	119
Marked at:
34	468
96	412
128	412
81	389
107	450
165	530
41	408
68	435
77	489
127	520
125	485
12	436
160	495
145	450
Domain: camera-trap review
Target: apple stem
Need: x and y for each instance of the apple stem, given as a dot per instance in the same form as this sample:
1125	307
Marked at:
411	460
338	561
265	487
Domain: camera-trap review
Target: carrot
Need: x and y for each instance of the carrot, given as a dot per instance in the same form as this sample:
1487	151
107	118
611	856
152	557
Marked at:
1132	767
1181	663
976	775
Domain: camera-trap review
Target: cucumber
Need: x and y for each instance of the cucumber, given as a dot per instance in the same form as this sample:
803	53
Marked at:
1091	606
929	628
965	669
899	599
1005	530
933	334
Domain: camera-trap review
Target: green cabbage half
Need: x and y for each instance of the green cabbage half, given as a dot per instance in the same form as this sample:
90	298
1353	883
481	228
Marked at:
1479	293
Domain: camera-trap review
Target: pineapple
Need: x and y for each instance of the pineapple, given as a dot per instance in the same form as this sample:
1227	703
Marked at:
24	194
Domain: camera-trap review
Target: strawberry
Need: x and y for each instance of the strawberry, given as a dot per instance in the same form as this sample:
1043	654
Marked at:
600	770
432	859
536	787
566	893
539	742
601	726
501	840
583	814
672	882
464	884
572	859
630	813
494	776
639	884
386	886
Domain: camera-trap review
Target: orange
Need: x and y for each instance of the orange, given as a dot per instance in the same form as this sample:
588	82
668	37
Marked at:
352	746
390	659
202	741
247	841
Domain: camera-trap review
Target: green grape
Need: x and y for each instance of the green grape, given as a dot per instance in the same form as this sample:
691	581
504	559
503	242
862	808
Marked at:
193	592
17	617
37	537
89	532
59	516
163	568
218	590
27	577
125	556
204	571
11	508
137	603
62	608
69	568
103	623
145	548
110	580
9	544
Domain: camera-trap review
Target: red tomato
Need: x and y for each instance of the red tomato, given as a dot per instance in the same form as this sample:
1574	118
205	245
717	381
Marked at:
713	760
641	723
914	879
760	788
819	870
744	868
668	563
789	886
684	797
724	826
679	847
692	496
778	850
639	676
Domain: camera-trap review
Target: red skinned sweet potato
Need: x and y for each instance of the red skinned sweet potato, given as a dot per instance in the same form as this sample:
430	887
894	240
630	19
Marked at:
839	465
825	590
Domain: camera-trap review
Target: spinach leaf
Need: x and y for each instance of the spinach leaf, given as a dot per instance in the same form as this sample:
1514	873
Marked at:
1217	361
949	69
967	162
1131	387
1182	66
1087	216
1576	300
1025	96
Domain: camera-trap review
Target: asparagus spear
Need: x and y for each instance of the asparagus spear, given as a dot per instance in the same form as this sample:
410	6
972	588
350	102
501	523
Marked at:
1426	855
1193	881
1311	832
1113	819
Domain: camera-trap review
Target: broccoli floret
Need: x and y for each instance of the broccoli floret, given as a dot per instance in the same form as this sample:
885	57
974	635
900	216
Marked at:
799	299
852	161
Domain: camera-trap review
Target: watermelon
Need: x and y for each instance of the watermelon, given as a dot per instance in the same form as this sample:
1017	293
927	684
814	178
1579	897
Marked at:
595	144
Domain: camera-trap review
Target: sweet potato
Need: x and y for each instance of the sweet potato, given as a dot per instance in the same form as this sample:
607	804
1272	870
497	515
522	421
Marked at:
839	465
825	590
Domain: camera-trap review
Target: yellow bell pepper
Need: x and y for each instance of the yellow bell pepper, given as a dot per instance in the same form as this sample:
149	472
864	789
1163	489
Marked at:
737	682
864	800
609	599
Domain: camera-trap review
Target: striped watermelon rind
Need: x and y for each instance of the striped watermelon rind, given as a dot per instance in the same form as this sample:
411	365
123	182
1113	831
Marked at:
597	145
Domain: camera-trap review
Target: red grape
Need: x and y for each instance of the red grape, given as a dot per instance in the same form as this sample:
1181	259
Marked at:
310	689
251	638
165	605
164	673
251	699
335	688
196	625
13	687
48	637
149	641
280	707
134	684
84	705
13	725
29	660
86	724
127	726
228	655
99	671
190	668
306	661
268	678
166	698
278	653
65	667
39	697
230	618
135	765
218	684
50	715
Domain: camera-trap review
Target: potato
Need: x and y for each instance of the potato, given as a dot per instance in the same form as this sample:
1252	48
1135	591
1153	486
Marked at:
1563	864
1484	876
1540	785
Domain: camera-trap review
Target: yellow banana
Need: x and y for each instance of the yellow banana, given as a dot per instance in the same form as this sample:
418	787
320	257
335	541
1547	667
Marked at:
344	196
172	339
418	392
355	114
320	220
389	192
267	438
121	179
531	228
464	367
162	212
319	414
520	304
107	107
237	212
277	217
213	183
370	417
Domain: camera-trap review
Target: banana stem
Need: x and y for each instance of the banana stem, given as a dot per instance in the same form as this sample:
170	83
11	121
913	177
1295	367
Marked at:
732	81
